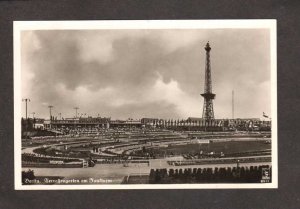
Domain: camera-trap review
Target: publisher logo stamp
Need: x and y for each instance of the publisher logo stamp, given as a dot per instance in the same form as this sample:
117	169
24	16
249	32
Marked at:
266	178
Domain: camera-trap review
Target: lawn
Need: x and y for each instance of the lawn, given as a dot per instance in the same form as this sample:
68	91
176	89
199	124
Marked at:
217	147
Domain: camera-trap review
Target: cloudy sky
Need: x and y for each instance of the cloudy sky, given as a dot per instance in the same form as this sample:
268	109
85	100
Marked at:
145	73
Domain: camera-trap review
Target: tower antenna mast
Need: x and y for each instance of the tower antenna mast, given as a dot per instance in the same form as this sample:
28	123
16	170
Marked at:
232	104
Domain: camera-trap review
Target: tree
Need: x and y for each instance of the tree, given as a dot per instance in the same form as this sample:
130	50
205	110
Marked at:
199	175
152	176
27	175
177	173
180	174
209	174
216	175
194	172
157	176
185	175
144	149
171	172
243	174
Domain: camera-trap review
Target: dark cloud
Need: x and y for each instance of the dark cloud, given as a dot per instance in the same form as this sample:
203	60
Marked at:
136	111
130	62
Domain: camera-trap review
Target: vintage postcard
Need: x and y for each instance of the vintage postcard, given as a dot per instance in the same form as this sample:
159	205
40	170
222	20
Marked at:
159	104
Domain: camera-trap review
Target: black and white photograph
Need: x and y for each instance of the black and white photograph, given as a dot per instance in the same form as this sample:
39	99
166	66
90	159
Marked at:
159	104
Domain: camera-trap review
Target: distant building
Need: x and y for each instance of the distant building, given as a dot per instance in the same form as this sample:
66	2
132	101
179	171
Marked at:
149	121
190	124
88	122
38	123
125	123
193	119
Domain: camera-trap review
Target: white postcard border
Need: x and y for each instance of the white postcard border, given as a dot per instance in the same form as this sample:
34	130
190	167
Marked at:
19	26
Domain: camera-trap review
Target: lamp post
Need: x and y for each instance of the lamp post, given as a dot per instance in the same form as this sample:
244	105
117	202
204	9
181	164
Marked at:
76	108
26	100
50	111
50	108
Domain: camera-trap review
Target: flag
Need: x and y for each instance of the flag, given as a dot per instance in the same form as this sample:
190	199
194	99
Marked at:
264	114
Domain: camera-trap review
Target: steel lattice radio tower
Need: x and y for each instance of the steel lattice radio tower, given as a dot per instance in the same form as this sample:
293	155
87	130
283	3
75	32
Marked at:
208	109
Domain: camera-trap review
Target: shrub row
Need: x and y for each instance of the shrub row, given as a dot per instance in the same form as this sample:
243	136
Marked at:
252	174
27	157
